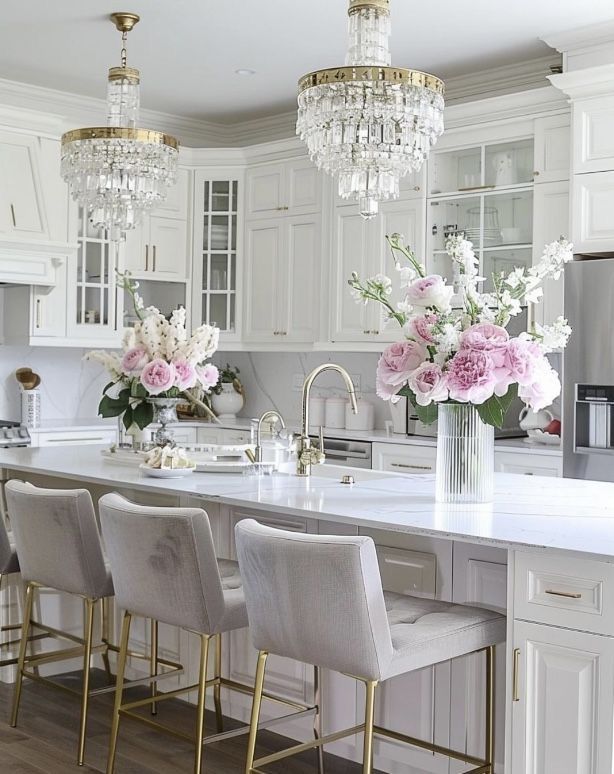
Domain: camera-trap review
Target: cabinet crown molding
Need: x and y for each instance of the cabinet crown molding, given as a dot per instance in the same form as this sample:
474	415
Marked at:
587	83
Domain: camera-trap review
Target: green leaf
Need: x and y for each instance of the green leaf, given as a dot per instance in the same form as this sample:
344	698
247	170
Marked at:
493	411
108	387
142	415
127	418
113	407
137	390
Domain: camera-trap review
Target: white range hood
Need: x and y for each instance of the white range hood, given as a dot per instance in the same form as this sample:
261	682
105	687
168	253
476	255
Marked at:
31	263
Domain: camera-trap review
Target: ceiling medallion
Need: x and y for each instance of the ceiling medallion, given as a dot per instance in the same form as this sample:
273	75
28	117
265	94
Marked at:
119	171
369	123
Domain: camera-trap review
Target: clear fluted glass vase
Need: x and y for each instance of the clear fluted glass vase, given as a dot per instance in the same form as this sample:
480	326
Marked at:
465	455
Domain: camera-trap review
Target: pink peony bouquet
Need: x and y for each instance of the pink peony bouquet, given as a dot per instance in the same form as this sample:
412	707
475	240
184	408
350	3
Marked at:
159	360
456	346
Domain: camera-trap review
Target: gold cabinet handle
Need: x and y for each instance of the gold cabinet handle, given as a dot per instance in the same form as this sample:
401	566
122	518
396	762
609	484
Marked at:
375	333
516	676
416	188
154	257
146	257
566	594
477	188
38	313
410	467
13	216
536	173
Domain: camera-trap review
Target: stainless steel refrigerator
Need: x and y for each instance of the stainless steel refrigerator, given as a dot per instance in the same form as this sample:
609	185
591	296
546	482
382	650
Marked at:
588	369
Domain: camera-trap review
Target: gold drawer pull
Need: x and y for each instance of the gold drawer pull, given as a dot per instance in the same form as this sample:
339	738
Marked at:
566	594
410	467
515	676
14	219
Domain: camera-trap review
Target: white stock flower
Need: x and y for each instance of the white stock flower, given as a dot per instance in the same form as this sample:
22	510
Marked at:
511	304
553	336
406	273
448	340
534	296
382	283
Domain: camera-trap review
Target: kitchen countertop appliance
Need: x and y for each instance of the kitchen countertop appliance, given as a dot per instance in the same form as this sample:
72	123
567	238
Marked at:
588	369
13	434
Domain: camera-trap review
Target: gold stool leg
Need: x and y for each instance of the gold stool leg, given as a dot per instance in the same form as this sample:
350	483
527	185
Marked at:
88	633
202	692
367	756
489	754
25	632
317	719
154	663
119	688
217	689
104	611
255	717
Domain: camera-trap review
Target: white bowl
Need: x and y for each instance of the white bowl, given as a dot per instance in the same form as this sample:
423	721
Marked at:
166	472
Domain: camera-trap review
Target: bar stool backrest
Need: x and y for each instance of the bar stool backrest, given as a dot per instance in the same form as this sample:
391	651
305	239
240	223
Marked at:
315	598
163	562
6	552
57	538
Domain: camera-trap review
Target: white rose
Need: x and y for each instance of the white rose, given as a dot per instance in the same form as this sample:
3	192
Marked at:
430	292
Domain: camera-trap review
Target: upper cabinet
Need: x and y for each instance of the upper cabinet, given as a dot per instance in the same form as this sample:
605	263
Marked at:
552	149
21	206
286	188
593	149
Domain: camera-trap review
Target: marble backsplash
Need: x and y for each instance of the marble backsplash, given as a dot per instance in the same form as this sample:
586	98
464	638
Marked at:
71	387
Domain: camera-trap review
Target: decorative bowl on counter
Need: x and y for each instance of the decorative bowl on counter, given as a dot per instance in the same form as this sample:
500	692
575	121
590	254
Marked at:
165	472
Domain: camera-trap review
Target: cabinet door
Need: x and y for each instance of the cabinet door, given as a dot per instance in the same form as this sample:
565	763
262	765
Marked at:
303	188
137	259
21	211
552	153
563	713
593	203
401	458
168	248
176	203
299	269
529	464
263	281
353	243
550	221
265	190
593	139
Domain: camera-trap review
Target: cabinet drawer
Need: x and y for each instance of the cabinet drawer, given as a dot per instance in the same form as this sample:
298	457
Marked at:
236	436
575	593
401	458
74	438
528	464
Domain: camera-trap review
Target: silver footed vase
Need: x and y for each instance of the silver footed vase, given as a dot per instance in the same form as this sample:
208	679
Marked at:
165	413
465	455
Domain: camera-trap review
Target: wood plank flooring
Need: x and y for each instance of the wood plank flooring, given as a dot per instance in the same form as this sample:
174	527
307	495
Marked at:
46	740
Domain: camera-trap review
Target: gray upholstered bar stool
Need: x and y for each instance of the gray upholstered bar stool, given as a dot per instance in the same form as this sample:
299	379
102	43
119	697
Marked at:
59	547
165	567
304	591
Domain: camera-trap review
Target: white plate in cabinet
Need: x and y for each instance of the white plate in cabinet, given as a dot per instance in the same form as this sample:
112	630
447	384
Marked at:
593	204
401	458
562	591
562	708
528	464
593	149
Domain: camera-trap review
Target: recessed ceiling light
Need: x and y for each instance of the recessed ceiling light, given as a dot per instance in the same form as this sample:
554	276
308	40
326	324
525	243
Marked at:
245	71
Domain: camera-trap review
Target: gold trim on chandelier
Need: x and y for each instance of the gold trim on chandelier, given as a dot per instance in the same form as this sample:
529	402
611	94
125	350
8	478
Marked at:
373	74
359	5
120	133
128	73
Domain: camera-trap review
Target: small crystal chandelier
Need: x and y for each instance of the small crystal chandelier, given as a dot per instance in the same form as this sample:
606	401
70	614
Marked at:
369	123
116	172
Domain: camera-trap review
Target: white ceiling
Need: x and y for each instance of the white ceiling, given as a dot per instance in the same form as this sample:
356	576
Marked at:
188	50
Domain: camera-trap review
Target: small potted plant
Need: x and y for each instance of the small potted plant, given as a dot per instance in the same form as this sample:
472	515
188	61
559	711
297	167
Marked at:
228	394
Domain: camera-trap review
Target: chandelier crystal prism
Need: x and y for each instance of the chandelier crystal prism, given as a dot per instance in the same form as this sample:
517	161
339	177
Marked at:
369	123
118	171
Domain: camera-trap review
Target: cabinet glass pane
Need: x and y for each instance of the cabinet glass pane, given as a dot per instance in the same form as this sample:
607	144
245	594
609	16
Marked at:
235	193
497	261
509	163
220	228
233	272
220	195
455	170
510	221
207	206
451	216
166	296
95	265
218	312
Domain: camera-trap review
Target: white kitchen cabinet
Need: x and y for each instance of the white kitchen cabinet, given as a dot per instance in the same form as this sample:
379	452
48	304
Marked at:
157	249
562	710
404	458
286	188
102	436
528	464
281	277
593	204
36	315
552	150
21	206
593	139
550	222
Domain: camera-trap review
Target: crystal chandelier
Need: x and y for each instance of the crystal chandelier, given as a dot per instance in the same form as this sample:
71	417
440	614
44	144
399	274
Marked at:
116	172
369	123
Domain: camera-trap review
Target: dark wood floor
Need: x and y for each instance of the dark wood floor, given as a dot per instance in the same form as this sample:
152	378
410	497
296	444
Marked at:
46	740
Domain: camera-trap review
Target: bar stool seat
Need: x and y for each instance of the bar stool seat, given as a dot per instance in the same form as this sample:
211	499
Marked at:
428	631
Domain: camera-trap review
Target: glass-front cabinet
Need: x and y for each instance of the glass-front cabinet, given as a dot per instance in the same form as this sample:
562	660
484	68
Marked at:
217	251
486	193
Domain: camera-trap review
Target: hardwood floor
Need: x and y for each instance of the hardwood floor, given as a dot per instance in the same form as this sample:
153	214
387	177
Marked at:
46	740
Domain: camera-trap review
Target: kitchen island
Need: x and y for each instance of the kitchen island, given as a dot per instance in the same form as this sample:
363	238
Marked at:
543	552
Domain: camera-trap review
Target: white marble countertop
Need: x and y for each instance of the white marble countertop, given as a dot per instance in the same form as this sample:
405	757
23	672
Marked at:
531	512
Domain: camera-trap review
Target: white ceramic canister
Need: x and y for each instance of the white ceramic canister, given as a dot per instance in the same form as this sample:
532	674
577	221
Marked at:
334	414
364	420
31	408
317	406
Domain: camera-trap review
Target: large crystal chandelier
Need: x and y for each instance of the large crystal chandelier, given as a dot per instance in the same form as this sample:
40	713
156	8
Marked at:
119	171
369	123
